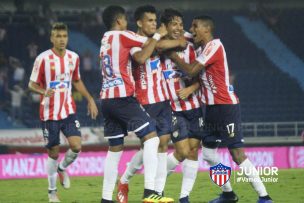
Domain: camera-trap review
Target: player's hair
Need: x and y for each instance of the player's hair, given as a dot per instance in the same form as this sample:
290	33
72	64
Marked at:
141	10
207	19
59	26
110	15
168	15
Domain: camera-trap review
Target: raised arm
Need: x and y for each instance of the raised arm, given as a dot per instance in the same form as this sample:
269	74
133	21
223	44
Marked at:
166	44
142	54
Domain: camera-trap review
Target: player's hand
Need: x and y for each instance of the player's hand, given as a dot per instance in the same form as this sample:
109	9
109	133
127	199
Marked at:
49	92
162	30
183	42
92	108
184	93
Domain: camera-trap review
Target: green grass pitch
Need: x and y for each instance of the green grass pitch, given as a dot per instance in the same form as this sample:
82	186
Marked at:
289	189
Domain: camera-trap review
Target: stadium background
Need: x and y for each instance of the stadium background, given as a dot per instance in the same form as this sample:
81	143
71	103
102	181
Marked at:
263	40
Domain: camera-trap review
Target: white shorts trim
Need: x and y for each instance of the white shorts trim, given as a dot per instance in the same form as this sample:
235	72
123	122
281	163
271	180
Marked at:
115	136
141	127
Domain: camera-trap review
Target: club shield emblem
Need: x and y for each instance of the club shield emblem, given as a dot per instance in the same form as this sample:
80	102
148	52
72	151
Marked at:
220	174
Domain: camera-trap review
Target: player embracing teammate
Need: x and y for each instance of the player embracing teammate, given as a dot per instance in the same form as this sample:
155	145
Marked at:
133	67
223	117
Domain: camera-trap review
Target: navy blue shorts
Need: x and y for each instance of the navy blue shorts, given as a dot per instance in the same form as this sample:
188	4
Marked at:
70	126
162	114
223	125
122	115
189	124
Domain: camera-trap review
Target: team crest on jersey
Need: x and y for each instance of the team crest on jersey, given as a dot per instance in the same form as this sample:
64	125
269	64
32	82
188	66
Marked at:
220	174
52	67
105	47
71	64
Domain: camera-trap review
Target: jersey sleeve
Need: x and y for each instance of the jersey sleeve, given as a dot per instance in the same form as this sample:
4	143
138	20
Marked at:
38	70
188	36
209	54
76	73
134	50
130	39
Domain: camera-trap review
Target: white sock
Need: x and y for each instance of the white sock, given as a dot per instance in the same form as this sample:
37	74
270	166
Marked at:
190	168
52	173
257	184
150	162
172	162
161	174
110	174
212	158
69	158
134	165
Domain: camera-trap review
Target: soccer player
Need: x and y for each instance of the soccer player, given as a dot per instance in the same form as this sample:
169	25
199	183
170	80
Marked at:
222	119
53	74
121	111
186	106
151	93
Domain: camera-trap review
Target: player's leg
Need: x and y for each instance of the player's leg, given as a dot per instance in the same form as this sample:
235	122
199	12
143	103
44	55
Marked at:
111	170
180	141
161	112
211	141
190	164
114	131
51	131
161	174
245	164
234	139
133	166
70	128
139	122
211	156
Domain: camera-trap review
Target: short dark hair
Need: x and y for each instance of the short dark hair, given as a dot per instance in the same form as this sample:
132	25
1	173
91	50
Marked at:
207	19
168	15
110	15
59	26
140	11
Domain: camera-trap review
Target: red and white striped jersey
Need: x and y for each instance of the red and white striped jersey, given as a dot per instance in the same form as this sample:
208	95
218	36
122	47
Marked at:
176	79
116	64
216	87
53	71
150	86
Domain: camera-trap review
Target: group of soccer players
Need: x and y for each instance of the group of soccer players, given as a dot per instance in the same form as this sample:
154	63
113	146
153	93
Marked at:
150	78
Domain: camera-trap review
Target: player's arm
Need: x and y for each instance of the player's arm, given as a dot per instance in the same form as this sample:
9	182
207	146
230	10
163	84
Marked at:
36	79
166	44
191	69
92	108
184	93
35	87
146	51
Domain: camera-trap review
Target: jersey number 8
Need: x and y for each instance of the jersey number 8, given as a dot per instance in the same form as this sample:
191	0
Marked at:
107	66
